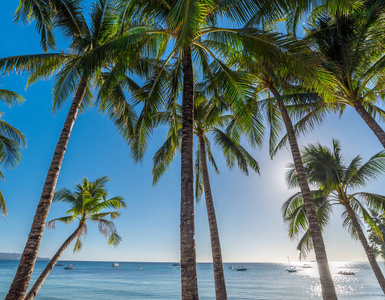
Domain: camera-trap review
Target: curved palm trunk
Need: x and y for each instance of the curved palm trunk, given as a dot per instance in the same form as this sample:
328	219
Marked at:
327	284
373	125
369	253
187	225
43	276
22	277
219	276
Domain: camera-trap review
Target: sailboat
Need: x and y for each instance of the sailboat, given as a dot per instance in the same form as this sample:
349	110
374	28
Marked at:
290	269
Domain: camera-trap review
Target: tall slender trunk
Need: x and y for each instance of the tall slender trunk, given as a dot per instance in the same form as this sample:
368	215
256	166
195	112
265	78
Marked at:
43	276
22	277
187	225
219	276
327	285
369	253
373	125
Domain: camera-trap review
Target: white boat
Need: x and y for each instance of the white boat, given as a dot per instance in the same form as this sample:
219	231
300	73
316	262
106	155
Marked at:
307	266
290	269
241	268
70	267
115	265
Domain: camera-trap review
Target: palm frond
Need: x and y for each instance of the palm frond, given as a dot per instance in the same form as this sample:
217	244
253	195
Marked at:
3	207
10	97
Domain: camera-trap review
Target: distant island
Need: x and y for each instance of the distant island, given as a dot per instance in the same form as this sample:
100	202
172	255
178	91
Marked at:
15	256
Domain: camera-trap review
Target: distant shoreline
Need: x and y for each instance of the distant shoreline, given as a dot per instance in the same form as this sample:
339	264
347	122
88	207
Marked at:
169	262
16	256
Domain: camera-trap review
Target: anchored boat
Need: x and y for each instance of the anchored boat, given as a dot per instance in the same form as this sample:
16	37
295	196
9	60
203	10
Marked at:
70	267
290	269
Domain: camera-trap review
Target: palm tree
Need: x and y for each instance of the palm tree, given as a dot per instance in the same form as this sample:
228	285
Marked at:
70	76
335	179
88	204
376	241
11	141
188	29
209	119
293	72
355	53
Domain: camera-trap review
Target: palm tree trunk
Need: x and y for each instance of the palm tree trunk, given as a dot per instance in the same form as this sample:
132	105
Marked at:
327	285
22	277
369	253
43	276
219	276
187	225
373	125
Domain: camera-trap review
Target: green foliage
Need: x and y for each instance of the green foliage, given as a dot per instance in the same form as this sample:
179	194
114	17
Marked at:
335	180
211	119
81	63
89	203
353	48
376	241
166	30
11	141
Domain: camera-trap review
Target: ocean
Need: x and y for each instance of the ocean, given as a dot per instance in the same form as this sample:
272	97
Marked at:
98	280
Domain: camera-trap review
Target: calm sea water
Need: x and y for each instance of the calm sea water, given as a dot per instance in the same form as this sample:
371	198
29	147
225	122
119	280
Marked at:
97	280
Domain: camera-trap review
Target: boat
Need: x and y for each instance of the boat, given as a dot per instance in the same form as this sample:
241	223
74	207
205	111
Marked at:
307	266
176	265
290	269
139	268
70	267
59	264
241	268
115	265
231	267
346	273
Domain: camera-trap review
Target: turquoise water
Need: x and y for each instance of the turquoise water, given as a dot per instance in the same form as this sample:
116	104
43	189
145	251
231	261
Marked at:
97	280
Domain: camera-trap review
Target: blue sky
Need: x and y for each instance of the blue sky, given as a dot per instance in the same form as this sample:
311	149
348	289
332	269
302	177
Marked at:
248	208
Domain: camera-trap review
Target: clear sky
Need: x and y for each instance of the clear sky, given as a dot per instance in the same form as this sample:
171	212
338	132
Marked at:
248	208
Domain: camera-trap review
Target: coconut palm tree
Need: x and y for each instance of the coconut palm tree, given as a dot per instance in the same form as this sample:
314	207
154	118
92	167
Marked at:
70	77
89	203
209	120
336	180
11	141
355	53
293	72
